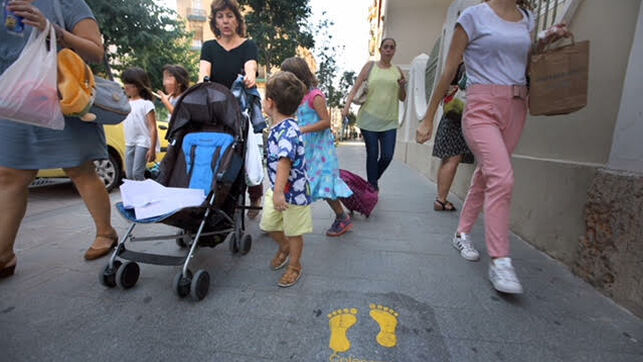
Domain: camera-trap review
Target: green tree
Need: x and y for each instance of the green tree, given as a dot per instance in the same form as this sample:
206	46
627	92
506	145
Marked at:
326	52
346	83
278	27
144	34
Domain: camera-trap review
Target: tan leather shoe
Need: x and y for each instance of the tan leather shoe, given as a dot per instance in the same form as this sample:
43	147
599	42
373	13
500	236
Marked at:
95	252
9	268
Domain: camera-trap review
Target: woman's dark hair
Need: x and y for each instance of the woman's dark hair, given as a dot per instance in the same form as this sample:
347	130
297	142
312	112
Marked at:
180	74
138	77
299	67
386	39
232	5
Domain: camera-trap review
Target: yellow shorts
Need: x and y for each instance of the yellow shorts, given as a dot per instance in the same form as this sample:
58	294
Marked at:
294	221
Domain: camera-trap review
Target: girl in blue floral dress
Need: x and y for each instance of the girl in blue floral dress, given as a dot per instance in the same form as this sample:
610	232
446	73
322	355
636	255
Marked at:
321	155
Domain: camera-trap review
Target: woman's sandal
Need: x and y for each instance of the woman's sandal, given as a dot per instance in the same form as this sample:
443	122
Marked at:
443	206
290	277
96	252
280	260
9	268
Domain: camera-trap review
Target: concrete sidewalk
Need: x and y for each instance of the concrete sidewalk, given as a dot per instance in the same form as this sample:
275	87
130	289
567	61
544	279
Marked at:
395	288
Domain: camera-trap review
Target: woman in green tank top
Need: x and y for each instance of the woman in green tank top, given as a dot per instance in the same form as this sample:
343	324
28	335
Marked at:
378	116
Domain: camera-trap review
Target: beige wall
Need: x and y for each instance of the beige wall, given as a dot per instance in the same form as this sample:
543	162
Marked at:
627	147
558	157
586	136
415	24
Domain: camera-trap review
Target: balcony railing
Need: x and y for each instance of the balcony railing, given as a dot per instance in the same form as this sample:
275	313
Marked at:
197	15
551	12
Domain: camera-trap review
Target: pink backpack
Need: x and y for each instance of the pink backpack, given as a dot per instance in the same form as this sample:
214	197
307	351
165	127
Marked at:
364	196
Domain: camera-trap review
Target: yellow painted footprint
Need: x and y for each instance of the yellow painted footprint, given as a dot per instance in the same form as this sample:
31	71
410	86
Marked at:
340	322
387	320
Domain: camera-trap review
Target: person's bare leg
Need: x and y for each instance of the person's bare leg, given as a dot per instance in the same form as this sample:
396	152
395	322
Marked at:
446	174
280	239
13	198
256	194
296	244
281	257
95	196
337	207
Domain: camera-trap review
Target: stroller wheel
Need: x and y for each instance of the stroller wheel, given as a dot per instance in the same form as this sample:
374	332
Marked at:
107	276
181	284
246	244
127	275
180	239
233	244
200	285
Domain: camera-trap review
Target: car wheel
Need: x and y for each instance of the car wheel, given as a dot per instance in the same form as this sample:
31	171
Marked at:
109	171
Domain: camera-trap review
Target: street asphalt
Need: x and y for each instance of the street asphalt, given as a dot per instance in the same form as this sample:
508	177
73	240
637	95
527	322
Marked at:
393	289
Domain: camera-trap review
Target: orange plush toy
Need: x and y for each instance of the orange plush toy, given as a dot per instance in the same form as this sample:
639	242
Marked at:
76	86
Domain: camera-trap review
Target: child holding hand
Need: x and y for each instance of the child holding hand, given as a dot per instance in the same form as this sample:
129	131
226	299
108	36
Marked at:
321	155
286	214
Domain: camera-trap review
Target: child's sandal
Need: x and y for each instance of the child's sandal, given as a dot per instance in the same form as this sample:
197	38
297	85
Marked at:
279	261
290	277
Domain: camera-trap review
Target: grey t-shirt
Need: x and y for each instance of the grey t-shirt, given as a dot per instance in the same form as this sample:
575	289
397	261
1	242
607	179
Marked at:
27	147
73	12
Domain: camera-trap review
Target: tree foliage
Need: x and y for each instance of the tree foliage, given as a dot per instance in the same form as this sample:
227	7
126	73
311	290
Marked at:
144	34
336	88
278	27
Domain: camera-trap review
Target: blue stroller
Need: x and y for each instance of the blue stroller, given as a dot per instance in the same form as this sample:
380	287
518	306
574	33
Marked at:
207	145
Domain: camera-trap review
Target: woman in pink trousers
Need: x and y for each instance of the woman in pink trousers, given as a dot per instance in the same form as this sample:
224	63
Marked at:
494	38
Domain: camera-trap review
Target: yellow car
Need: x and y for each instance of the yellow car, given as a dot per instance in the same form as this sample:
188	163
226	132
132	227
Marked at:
111	170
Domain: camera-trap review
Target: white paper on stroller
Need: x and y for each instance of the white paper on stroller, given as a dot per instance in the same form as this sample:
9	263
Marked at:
140	193
150	199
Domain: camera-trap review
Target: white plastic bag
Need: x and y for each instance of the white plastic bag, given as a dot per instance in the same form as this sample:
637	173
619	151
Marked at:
28	88
254	164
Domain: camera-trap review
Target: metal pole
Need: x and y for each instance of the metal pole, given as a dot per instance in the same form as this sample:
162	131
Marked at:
546	16
554	18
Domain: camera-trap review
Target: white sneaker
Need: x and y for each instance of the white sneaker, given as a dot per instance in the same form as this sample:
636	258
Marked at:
463	244
503	277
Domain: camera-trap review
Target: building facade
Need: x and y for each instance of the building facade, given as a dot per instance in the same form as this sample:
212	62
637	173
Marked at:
196	14
578	192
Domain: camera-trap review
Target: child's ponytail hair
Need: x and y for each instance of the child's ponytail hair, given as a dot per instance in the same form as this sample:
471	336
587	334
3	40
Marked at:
138	77
299	68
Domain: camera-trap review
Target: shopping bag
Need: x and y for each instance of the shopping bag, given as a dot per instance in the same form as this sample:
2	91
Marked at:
28	89
559	79
254	160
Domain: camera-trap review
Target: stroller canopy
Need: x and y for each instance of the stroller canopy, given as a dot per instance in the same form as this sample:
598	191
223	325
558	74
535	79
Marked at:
207	104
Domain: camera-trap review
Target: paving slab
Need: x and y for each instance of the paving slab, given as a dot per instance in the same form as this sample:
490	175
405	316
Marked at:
393	289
